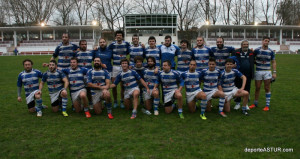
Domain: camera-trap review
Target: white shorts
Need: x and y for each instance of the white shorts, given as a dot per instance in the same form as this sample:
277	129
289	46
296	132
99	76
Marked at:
96	97
169	96
230	95
128	93
116	70
30	98
209	95
55	96
191	95
75	95
147	95
263	75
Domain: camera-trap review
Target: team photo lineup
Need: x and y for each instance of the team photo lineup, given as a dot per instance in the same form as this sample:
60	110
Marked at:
150	77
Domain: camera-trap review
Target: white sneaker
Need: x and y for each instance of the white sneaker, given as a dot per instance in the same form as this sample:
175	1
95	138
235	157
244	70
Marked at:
39	114
146	111
156	112
247	108
237	106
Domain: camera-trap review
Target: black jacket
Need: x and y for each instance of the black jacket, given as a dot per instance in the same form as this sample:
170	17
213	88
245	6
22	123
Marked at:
237	54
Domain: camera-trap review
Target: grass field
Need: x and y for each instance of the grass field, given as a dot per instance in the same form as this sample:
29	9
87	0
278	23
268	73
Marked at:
23	135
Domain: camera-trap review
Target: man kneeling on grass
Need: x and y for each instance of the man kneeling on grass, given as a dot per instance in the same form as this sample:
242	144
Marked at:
192	87
231	91
129	79
98	80
77	86
30	79
170	80
57	85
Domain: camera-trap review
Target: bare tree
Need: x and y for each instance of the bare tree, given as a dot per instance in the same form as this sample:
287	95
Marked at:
187	11
236	11
38	10
214	12
265	9
64	9
82	8
226	10
113	12
148	6
205	6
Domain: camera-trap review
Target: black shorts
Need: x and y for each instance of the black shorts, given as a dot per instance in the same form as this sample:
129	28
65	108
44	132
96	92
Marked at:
31	104
168	104
56	103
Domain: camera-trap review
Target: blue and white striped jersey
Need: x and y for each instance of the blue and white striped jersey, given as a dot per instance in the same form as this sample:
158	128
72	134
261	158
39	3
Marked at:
210	79
183	60
64	53
128	78
169	53
201	55
169	80
221	55
191	81
30	80
85	58
54	80
105	55
263	59
136	51
227	79
154	53
150	78
119	51
76	78
97	77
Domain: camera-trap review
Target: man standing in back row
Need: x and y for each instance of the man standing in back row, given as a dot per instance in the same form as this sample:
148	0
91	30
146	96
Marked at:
221	53
64	51
264	58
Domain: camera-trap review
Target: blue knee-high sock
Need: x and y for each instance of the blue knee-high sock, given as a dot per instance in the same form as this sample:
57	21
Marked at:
86	109
108	107
256	103
39	103
268	99
221	104
64	104
203	106
179	110
155	103
37	109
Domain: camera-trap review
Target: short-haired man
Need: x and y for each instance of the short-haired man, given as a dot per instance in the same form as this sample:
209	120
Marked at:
264	58
231	91
136	49
244	58
84	56
192	88
169	51
221	53
64	51
129	80
120	49
98	80
78	91
201	54
57	85
29	78
105	55
212	87
184	57
150	77
170	80
153	50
